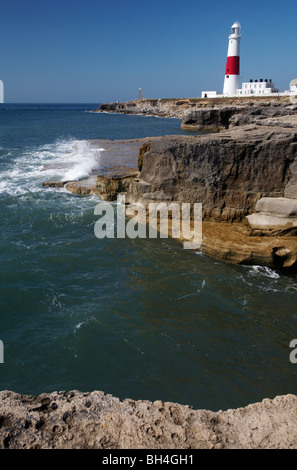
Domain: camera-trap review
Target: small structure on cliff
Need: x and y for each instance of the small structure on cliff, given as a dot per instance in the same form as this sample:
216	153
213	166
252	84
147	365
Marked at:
293	86
258	88
140	95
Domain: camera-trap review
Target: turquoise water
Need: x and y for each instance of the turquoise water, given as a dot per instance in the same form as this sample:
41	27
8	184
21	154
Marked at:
139	318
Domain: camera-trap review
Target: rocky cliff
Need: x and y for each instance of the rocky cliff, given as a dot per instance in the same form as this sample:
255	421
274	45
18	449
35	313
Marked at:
184	107
246	179
223	117
75	420
228	172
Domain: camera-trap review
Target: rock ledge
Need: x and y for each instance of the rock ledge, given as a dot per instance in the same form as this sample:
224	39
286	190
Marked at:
76	420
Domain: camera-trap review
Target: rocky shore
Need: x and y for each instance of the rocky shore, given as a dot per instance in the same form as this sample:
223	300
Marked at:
232	173
224	117
187	108
76	420
246	178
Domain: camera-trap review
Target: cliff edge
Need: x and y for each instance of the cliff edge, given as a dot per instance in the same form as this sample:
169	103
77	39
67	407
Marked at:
230	173
183	108
76	420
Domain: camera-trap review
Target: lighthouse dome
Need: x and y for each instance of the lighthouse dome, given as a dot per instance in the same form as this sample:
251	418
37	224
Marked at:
236	25
235	30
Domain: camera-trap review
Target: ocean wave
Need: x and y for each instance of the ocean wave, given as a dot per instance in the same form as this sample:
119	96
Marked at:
64	160
265	271
71	159
262	271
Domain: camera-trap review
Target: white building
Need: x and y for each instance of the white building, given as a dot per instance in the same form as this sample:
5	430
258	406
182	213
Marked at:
293	87
210	94
257	88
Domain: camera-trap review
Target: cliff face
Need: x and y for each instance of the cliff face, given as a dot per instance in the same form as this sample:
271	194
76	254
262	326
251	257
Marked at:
229	173
218	118
226	172
75	420
186	108
164	107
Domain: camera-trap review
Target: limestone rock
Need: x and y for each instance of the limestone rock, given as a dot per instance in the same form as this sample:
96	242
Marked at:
237	244
265	221
291	186
227	172
78	188
279	207
108	187
54	184
224	117
276	215
211	119
180	108
76	420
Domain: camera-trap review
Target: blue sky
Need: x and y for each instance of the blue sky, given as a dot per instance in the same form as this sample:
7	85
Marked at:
87	51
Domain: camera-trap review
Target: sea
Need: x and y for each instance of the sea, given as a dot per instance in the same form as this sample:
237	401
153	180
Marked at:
135	318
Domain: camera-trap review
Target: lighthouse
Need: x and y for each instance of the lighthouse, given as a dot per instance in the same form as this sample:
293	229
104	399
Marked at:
232	82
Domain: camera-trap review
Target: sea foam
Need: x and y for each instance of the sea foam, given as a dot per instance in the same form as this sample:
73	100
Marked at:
64	160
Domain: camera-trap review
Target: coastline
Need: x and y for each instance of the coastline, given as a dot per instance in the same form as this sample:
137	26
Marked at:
230	186
216	170
182	107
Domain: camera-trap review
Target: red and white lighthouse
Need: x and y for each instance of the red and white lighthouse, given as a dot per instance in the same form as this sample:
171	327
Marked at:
232	79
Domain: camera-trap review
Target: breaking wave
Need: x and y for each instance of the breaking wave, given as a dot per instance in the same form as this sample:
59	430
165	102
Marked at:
64	160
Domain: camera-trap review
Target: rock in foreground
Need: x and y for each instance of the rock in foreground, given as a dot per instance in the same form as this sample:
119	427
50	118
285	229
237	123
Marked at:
98	421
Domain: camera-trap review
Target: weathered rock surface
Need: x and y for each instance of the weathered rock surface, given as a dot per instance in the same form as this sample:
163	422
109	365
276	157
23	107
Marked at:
181	107
75	420
155	107
215	119
227	172
208	114
291	186
53	184
274	214
281	207
223	117
237	243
